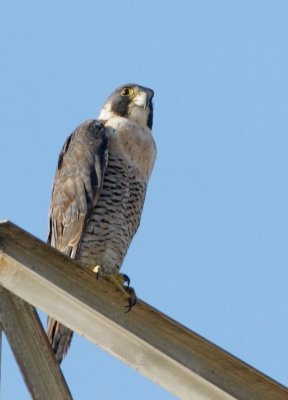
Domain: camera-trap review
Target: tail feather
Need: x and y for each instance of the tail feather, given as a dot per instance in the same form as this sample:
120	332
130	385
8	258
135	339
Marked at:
60	338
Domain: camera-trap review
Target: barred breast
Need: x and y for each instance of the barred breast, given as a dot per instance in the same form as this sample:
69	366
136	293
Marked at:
114	220
116	216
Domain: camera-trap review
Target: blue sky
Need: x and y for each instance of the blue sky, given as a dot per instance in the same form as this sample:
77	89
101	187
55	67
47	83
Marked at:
211	250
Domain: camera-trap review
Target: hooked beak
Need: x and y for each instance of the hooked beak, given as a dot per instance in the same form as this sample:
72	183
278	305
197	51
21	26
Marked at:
143	99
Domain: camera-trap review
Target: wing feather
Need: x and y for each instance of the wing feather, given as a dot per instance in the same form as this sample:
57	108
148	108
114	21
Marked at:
77	185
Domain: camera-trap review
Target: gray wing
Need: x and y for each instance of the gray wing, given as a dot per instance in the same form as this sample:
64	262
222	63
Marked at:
78	184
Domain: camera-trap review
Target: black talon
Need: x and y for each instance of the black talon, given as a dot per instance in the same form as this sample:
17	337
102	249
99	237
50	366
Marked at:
126	279
132	299
129	307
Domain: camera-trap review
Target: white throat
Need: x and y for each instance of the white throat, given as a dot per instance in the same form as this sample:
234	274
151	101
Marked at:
137	114
106	113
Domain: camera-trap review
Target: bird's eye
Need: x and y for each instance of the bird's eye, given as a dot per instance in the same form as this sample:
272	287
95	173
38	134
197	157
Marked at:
126	91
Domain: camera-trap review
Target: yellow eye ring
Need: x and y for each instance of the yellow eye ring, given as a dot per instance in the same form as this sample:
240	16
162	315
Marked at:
126	91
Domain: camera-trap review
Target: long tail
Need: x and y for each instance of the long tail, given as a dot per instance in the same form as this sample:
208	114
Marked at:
59	337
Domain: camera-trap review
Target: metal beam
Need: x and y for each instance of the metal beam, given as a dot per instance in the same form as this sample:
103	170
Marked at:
30	346
171	355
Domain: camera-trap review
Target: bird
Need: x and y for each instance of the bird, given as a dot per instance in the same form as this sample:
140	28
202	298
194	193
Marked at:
99	191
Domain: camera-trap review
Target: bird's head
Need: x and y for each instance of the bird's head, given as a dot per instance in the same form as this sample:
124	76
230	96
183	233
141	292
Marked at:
130	101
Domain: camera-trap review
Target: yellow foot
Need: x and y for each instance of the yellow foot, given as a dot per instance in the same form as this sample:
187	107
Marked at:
97	269
121	282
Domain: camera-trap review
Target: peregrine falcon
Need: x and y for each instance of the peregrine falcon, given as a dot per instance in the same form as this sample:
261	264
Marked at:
99	190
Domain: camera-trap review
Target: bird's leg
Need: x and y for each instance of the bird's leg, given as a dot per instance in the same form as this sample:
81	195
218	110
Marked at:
121	282
97	269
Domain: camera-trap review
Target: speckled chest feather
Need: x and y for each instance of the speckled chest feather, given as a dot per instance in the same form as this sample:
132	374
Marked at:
116	216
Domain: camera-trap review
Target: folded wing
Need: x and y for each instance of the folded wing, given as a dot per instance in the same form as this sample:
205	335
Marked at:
78	184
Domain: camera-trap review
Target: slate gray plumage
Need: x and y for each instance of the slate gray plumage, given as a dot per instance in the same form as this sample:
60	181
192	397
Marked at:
100	186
